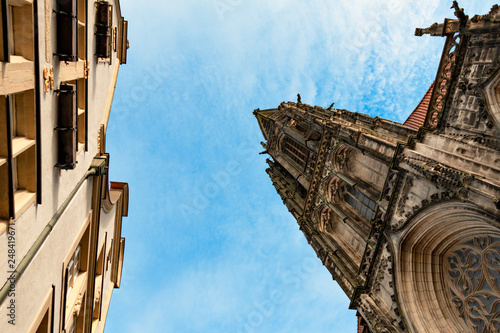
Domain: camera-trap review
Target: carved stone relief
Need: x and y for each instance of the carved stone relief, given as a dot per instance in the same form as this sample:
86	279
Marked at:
335	190
343	158
326	222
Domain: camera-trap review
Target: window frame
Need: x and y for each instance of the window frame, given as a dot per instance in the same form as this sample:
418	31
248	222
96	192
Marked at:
47	309
69	298
19	165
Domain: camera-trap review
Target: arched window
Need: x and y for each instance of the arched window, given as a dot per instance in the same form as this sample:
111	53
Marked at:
295	151
338	190
360	202
342	234
351	162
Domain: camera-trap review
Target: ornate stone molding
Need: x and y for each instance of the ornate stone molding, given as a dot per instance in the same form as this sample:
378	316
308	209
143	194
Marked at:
343	158
430	291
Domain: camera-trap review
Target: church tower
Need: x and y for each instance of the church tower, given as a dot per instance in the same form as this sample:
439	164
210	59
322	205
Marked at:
406	217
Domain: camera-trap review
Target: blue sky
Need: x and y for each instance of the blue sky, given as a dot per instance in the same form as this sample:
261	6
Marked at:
209	245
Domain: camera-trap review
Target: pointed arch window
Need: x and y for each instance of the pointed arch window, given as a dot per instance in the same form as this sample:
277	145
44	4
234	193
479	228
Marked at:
295	151
360	202
338	190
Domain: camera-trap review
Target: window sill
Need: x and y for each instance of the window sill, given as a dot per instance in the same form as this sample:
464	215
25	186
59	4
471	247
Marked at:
81	147
20	144
95	325
3	226
18	75
71	71
104	60
17	59
20	3
22	200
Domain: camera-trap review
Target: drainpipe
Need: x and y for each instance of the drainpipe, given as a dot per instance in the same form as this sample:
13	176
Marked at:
97	168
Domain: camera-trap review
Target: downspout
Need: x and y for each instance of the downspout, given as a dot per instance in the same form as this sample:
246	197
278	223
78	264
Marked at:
97	168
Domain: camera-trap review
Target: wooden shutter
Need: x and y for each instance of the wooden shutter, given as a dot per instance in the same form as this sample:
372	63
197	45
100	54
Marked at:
65	296
4	27
103	33
67	117
67	29
123	41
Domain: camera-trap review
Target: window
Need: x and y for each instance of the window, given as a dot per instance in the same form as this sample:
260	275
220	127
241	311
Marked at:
295	151
82	21
17	153
43	321
80	101
75	268
311	164
81	127
120	262
98	286
4	37
268	127
360	202
17	31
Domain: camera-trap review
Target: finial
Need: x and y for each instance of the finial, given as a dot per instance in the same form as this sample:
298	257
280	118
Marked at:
459	13
298	99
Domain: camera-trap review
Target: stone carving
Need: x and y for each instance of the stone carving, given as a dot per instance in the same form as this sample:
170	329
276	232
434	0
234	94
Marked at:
391	184
97	296
434	30
472	270
343	158
442	86
405	192
336	189
320	164
78	305
326	220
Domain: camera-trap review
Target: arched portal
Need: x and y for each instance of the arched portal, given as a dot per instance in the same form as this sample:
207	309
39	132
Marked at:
447	270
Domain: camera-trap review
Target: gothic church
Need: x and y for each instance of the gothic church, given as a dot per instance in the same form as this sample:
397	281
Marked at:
406	217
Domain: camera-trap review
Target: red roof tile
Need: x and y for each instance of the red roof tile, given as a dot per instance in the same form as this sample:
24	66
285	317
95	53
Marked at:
417	117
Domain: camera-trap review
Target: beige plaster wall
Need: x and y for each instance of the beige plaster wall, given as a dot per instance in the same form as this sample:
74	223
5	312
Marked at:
46	267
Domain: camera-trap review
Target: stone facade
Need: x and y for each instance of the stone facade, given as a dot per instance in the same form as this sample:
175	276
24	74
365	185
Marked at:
406	220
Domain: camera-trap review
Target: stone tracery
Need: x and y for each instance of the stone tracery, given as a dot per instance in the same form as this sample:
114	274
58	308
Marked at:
343	158
336	189
473	273
454	256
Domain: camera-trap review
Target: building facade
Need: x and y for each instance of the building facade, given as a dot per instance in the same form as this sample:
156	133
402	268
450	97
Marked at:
61	246
406	217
